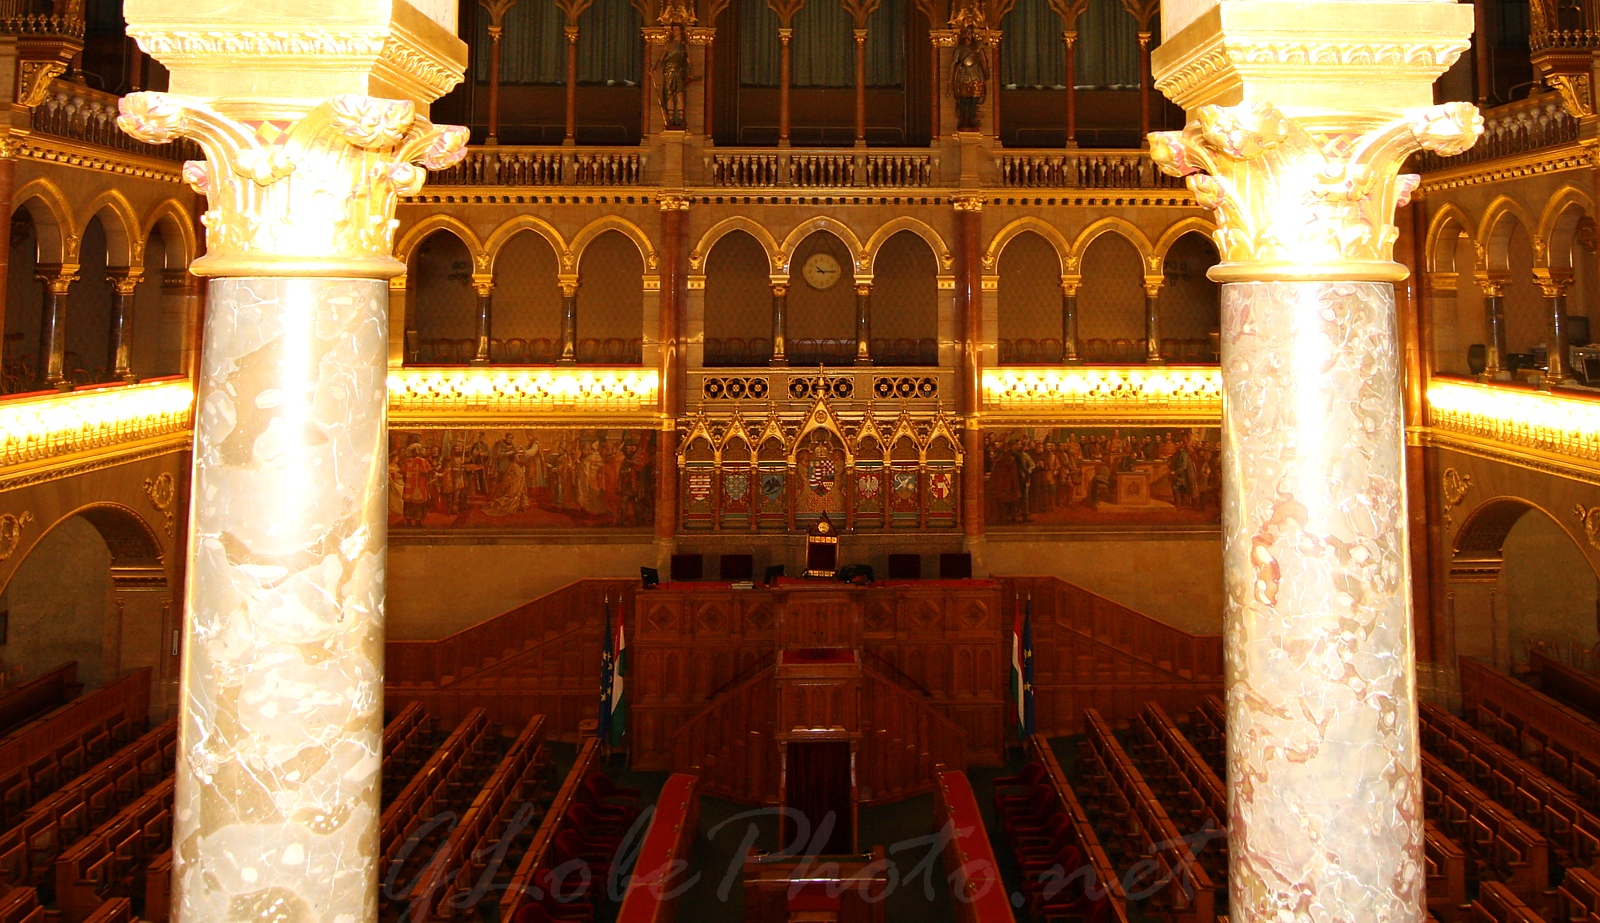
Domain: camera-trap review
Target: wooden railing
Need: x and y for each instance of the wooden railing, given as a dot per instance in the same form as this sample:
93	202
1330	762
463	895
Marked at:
906	741
545	166
1105	874
741	765
754	168
62	18
1560	681
1084	170
980	895
1513	129
657	879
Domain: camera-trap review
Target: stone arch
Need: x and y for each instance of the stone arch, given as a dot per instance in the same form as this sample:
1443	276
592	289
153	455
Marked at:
51	215
136	550
1122	228
833	226
1494	234
881	236
595	228
1193	224
417	233
177	231
1558	226
991	256
1477	552
119	221
708	241
1445	230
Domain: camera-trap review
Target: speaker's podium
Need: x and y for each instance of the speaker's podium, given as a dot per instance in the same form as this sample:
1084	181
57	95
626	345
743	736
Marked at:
816	889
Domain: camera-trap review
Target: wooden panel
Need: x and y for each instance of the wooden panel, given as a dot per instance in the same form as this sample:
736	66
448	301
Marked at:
732	744
657	879
905	742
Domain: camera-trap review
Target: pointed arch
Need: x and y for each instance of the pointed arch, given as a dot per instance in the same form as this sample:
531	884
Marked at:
1122	228
823	223
599	226
941	252
1494	233
1193	224
1439	254
120	222
991	257
1559	224
52	220
708	240
417	233
177	230
133	542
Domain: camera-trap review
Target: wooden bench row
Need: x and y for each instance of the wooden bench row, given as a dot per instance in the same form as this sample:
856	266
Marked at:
456	868
29	848
969	860
110	862
38	757
525	881
1445	864
1561	682
1503	847
418	801
1538	800
21	905
1554	737
1497	903
1208	732
1189	894
1578	898
1105	873
1181	777
405	747
658	872
45	692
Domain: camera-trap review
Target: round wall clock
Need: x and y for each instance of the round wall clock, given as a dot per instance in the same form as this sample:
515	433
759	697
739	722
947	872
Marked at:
821	271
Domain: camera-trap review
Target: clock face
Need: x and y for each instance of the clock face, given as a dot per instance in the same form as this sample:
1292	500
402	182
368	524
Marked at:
821	271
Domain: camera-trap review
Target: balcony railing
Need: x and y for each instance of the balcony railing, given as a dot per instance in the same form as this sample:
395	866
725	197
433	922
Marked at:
39	428
88	115
533	166
1164	391
1084	170
747	168
529	351
1124	351
1516	128
42	17
435	392
1517	416
738	352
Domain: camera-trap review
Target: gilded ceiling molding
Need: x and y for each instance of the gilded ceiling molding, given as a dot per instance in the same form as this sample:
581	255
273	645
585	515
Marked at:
1573	156
1238	58
351	157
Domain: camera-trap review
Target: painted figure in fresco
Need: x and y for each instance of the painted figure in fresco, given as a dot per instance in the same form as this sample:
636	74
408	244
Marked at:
674	68
511	490
478	465
1006	483
969	80
1185	479
417	475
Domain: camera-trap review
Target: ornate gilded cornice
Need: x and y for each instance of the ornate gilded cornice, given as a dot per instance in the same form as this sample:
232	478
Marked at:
1225	62
1104	394
66	152
1578	155
1296	202
350	159
1534	429
59	435
422	396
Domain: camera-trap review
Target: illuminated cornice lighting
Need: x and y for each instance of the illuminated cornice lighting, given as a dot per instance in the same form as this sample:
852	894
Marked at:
1131	389
40	429
1517	417
425	392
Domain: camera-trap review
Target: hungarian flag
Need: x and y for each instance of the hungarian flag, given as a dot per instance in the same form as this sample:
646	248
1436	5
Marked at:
613	676
1022	668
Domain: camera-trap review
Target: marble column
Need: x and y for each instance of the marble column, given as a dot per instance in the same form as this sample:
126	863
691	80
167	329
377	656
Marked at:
1070	37
969	394
1555	288
496	34
569	320
780	323
863	323
861	84
483	288
673	365
572	85
56	282
785	37
1324	786
1069	321
119	347
1152	322
1494	319
278	768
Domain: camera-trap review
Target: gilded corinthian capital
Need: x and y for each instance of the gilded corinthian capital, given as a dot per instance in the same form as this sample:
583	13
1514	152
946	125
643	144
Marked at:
1291	203
309	196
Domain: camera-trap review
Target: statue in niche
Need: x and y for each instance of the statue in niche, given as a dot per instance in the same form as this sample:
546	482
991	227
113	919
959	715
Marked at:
674	67
969	79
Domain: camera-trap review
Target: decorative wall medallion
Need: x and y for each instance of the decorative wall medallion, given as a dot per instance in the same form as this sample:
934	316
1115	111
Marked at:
162	491
11	527
1455	485
1590	518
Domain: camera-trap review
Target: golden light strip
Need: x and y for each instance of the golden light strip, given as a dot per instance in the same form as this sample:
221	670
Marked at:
1528	419
1197	390
436	391
37	429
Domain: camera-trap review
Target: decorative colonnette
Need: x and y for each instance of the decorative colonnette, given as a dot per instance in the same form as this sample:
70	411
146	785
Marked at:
1517	417
1170	390
38	430
432	392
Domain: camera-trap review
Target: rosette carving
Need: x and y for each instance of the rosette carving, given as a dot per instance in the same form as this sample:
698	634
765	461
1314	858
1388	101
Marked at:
312	196
1296	203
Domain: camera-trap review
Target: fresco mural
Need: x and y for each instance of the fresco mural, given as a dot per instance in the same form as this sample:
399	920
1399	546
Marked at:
521	480
1102	476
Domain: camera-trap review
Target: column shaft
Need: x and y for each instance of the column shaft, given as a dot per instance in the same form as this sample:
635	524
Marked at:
1556	341
969	287
52	330
1152	324
119	345
1071	39
708	85
784	36
1069	323
8	182
861	86
496	33
780	323
1144	84
863	323
674	215
1495	319
278	776
1322	735
484	288
572	84
569	322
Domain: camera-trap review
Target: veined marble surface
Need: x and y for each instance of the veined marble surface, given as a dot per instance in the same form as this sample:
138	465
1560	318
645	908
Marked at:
1324	792
278	764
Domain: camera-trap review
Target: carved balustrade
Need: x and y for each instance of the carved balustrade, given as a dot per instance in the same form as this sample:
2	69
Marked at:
1512	130
70	110
534	166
